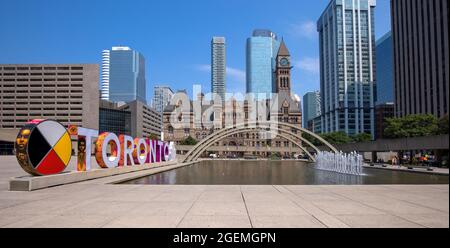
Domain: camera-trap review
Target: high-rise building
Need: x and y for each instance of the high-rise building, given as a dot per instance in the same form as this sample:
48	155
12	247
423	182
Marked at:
123	75
262	49
385	70
347	66
421	61
311	107
106	58
161	97
218	66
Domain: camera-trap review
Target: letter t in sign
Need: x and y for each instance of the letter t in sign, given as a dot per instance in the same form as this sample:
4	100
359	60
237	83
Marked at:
85	135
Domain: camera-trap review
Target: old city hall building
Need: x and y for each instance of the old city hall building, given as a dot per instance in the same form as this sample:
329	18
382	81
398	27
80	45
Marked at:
283	106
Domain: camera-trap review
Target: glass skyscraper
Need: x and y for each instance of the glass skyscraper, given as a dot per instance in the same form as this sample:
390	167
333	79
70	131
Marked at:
126	75
311	107
262	49
385	70
218	67
347	66
161	97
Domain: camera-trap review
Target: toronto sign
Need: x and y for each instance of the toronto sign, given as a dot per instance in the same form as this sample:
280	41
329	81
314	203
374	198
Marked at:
44	147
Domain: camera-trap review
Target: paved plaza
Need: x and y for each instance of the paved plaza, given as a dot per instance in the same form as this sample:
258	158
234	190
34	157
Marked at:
98	203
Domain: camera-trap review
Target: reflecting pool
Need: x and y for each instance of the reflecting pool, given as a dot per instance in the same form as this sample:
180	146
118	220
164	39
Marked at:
235	172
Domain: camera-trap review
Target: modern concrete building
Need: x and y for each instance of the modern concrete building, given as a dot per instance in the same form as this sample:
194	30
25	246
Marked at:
262	49
218	66
385	70
161	97
311	107
421	60
123	75
135	119
67	93
347	66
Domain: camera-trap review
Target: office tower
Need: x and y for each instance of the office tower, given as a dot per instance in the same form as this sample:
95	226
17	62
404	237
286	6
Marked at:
347	66
311	107
161	97
421	61
126	75
105	75
262	49
218	67
385	70
67	93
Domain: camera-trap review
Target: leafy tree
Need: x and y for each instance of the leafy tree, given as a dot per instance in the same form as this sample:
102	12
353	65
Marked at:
362	137
443	125
411	126
337	138
189	141
275	156
311	139
153	136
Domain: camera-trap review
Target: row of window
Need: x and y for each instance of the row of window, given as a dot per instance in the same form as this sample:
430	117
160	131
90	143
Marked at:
41	79
43	74
36	68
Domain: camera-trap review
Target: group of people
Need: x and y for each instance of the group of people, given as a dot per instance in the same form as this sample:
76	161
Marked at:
423	159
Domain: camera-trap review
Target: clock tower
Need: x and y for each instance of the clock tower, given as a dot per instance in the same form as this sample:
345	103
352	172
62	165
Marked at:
283	70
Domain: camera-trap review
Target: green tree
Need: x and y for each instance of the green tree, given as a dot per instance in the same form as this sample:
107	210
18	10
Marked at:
362	137
411	126
337	138
311	139
189	141
443	125
153	136
275	156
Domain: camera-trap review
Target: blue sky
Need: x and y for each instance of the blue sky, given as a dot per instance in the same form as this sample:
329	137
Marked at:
173	35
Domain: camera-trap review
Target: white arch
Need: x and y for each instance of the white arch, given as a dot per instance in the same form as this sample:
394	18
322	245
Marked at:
267	124
232	132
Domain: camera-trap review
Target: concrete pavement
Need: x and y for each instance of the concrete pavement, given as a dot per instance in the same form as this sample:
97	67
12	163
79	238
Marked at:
98	203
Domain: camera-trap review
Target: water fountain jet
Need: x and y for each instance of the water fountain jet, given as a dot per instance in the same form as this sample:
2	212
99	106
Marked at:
350	164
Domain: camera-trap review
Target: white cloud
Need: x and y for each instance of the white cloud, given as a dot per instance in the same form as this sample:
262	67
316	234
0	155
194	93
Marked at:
307	29
205	68
310	65
236	75
233	74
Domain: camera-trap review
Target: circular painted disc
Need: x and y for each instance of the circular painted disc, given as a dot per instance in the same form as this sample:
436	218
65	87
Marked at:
49	148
